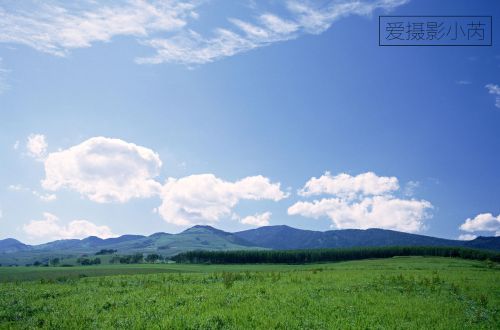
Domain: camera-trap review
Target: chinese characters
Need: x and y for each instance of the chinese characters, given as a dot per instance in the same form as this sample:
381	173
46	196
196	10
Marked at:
431	30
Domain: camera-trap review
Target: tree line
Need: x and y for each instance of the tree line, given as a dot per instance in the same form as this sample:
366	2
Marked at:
323	255
137	259
88	261
105	251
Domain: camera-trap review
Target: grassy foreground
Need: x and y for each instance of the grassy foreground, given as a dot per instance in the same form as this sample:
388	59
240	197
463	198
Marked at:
396	293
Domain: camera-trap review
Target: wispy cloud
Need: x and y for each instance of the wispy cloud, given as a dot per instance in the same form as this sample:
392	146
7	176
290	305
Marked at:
190	47
57	27
42	196
3	78
495	90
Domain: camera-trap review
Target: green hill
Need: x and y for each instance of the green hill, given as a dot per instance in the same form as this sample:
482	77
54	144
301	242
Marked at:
13	252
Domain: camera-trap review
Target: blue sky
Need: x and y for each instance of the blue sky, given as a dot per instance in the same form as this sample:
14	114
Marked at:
139	117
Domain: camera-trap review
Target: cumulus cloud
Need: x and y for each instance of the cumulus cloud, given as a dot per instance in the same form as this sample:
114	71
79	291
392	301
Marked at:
362	201
51	228
258	220
349	186
495	90
204	198
484	222
466	237
56	27
104	170
36	146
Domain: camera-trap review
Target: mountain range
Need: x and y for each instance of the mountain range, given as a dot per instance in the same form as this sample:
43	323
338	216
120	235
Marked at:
208	238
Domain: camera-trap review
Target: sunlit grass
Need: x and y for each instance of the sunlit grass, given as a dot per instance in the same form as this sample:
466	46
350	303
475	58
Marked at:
397	293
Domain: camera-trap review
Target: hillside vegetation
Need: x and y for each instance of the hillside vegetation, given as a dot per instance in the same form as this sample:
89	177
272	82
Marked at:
13	252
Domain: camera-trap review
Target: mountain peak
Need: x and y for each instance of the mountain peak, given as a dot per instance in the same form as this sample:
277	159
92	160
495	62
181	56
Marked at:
197	228
10	240
12	245
159	234
92	239
204	226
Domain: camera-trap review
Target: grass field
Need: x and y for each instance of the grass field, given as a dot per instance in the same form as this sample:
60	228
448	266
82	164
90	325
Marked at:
396	293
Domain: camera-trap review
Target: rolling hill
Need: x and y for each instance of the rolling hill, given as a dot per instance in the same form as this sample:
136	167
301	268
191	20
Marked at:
285	237
11	245
208	238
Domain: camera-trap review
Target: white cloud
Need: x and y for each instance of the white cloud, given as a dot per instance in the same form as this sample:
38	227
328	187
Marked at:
56	27
371	212
466	237
190	47
411	187
204	198
37	146
349	186
277	24
362	201
45	197
495	90
104	170
258	220
485	222
16	187
3	76
41	196
51	228
15	146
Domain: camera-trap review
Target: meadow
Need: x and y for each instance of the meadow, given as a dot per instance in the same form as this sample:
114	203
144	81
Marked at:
395	293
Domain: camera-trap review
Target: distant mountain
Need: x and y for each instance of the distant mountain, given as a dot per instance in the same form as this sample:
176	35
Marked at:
285	237
481	242
194	238
11	245
211	231
197	237
209	238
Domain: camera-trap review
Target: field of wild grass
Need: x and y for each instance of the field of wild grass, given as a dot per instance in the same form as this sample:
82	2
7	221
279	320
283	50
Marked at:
396	293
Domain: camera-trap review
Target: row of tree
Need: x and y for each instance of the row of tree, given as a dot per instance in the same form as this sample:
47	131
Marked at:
323	255
105	251
88	261
137	259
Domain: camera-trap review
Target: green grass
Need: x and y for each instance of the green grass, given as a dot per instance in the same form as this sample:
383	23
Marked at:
396	293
